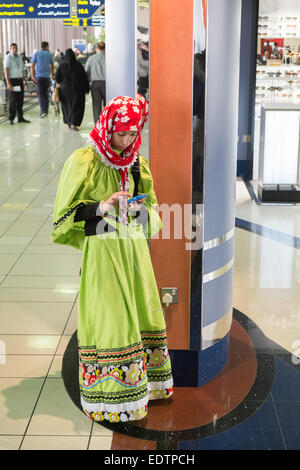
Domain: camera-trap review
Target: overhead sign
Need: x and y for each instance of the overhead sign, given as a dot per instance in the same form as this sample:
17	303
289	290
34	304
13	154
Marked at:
35	9
87	8
97	20
72	22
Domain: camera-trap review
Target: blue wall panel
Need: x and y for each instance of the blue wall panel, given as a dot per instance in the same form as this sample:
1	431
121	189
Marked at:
217	298
221	132
219	256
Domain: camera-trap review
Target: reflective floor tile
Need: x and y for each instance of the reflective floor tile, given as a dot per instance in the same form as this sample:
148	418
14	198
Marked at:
100	443
22	294
55	443
11	249
289	418
45	265
72	322
7	262
56	413
268	295
24	228
40	282
17	400
15	240
63	343
286	387
29	344
99	430
42	240
33	317
261	431
56	367
283	218
53	249
4	226
10	442
32	213
25	366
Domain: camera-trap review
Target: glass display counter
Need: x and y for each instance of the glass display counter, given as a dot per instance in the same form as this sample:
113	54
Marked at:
278	168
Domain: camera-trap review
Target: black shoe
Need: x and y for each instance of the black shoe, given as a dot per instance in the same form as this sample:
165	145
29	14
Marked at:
23	120
11	121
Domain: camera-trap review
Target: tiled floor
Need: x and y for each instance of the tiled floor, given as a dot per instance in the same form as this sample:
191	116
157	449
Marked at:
38	290
38	303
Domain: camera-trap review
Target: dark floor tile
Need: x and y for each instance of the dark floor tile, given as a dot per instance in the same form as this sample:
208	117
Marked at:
289	419
260	431
286	387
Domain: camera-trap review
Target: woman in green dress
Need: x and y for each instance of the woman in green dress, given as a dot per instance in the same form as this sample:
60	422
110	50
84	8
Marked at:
123	354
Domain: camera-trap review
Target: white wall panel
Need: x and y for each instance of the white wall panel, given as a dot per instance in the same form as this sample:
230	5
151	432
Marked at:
29	34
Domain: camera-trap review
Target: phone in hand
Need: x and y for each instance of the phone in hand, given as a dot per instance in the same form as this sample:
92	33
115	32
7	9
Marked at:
137	198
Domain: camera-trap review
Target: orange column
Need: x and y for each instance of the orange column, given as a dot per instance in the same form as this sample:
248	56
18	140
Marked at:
204	7
171	93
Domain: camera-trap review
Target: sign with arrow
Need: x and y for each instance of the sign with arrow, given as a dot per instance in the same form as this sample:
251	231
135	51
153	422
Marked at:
87	8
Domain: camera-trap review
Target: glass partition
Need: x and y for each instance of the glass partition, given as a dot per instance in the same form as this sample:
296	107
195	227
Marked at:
143	64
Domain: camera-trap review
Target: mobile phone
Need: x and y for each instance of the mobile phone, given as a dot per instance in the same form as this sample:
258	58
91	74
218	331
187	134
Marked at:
137	198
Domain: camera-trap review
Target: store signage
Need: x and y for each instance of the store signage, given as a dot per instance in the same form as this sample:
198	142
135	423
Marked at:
87	8
29	9
97	20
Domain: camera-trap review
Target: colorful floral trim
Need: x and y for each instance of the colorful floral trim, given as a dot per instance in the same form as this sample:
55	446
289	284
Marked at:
141	372
157	338
111	356
115	417
161	394
131	374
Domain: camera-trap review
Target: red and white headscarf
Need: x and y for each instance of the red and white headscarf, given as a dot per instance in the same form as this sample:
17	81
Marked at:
120	114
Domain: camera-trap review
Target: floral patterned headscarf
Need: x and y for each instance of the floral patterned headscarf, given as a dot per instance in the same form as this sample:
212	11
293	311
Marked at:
120	114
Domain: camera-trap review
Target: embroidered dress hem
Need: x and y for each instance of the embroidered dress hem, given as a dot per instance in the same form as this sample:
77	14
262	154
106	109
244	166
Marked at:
158	390
129	406
131	411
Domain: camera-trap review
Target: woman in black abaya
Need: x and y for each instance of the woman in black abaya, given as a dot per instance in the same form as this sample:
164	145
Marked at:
73	85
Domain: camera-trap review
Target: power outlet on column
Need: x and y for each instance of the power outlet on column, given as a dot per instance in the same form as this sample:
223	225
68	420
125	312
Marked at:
169	295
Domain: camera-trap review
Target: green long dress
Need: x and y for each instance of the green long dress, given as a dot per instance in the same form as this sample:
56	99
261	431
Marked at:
123	354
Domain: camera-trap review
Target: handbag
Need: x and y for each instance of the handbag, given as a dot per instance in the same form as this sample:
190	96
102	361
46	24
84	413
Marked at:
55	95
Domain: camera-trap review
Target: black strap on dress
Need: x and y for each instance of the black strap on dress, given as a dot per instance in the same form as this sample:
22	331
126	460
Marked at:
135	171
87	212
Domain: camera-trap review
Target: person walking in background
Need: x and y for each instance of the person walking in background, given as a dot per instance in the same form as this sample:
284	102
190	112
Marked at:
95	68
41	69
13	71
73	85
268	48
143	68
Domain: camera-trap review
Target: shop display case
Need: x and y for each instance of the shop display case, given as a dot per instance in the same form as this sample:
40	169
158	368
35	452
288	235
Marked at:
278	26
280	84
277	90
278	169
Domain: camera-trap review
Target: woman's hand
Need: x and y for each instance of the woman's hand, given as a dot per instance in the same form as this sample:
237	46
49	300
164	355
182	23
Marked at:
134	207
114	199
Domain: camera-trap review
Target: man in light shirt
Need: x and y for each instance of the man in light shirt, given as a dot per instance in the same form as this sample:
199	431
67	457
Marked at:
13	71
95	68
